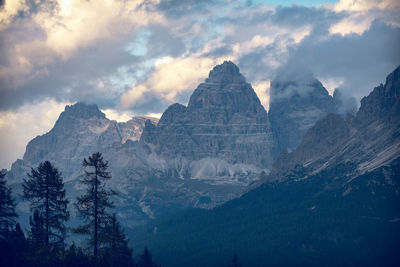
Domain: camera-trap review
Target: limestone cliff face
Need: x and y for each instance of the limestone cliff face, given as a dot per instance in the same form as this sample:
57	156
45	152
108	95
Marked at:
224	118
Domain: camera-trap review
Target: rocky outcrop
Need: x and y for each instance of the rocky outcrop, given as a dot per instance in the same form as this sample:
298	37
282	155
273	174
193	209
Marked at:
224	119
383	103
133	129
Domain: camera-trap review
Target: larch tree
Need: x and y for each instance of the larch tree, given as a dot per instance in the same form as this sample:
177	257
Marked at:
45	190
94	204
7	206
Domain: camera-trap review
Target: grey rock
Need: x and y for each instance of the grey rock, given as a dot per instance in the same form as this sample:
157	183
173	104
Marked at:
297	102
224	119
369	140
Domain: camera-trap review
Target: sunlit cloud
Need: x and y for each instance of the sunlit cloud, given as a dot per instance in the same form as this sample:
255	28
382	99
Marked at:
331	83
363	5
262	91
355	23
59	29
117	115
362	12
171	77
9	10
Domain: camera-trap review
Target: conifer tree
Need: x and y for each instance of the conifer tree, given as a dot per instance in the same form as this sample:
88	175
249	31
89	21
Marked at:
45	190
234	262
7	207
37	236
75	257
93	205
146	259
115	245
16	249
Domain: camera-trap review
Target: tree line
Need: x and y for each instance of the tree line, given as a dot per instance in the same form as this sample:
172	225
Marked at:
45	243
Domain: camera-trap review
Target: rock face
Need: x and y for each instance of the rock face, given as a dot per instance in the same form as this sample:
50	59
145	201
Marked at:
132	129
297	102
224	119
80	130
368	140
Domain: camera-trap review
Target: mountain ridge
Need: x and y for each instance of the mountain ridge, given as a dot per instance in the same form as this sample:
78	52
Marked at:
372	135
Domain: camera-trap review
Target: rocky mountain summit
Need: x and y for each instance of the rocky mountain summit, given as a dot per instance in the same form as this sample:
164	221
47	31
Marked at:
224	119
80	130
297	102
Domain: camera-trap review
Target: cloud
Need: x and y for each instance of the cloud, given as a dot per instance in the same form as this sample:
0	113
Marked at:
117	115
54	33
361	62
9	10
331	83
262	91
137	57
360	14
18	127
355	23
171	77
363	5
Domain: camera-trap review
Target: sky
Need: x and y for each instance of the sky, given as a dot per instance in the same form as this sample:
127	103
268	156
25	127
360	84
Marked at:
138	57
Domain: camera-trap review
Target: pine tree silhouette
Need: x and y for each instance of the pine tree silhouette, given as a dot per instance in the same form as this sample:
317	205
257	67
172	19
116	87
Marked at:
93	205
37	235
45	190
115	244
234	262
146	259
7	207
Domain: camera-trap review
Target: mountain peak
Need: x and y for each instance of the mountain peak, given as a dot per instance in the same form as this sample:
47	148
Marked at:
224	118
383	102
297	101
82	110
225	73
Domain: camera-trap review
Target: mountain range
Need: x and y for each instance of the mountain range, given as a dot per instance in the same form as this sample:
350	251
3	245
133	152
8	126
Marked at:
199	155
314	168
334	200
